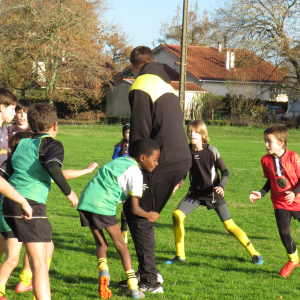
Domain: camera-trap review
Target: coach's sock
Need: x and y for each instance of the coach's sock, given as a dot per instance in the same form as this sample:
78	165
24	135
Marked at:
48	262
102	264
2	290
294	257
131	280
241	236
25	277
178	228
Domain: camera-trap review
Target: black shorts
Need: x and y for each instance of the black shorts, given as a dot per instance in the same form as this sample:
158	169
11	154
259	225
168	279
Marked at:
36	230
8	235
99	221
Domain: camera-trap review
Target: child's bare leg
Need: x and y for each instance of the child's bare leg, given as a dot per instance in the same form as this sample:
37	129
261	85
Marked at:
37	254
2	248
116	236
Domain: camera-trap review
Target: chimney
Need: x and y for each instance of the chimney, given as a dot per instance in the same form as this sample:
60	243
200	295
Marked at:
220	46
229	62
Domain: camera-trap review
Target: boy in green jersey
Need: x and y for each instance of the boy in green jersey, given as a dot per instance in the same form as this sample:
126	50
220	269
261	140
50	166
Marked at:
32	176
115	182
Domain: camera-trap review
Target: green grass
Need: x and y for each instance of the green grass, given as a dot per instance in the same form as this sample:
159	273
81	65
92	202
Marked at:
217	267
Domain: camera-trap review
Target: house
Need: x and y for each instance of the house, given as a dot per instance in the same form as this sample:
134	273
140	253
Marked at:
209	69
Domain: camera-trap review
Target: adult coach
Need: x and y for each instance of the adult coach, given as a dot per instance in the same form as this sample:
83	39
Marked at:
155	114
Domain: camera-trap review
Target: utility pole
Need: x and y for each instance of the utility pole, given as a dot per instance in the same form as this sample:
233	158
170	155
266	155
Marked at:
183	58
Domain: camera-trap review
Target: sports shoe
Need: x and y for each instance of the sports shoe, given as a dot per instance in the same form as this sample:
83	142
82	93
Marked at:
124	235
257	260
151	287
3	298
174	260
136	294
123	283
104	290
288	268
20	288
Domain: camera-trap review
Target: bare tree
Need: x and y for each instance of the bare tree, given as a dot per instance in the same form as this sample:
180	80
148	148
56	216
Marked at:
268	28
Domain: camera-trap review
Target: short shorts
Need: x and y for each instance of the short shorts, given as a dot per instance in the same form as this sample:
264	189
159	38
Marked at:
99	221
36	230
8	235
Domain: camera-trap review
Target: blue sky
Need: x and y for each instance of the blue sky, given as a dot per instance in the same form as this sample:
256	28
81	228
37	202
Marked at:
141	19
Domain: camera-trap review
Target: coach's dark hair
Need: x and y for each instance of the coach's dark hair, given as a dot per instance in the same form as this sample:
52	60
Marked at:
41	116
16	138
280	132
7	97
23	104
140	56
144	146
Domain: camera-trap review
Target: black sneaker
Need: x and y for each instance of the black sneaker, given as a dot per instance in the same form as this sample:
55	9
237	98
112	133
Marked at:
123	283
151	287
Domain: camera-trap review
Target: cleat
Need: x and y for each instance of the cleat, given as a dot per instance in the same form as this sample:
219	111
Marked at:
136	294
104	290
20	288
257	260
124	235
288	268
153	288
174	260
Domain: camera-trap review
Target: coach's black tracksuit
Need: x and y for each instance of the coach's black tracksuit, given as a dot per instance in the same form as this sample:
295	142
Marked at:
155	114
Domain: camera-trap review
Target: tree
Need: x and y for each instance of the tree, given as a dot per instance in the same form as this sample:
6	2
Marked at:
118	48
270	29
56	38
201	32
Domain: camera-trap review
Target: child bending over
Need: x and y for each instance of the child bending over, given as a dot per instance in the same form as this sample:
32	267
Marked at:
113	183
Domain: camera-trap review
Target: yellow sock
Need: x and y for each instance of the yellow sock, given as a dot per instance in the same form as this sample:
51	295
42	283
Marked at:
294	257
25	277
241	236
102	264
2	290
48	262
131	280
178	228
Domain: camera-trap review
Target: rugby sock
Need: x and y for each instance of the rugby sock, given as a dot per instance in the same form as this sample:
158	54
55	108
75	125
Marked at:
178	228
294	257
131	280
48	262
2	290
25	277
241	236
102	264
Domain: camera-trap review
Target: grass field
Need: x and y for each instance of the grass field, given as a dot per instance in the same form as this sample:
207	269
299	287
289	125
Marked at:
217	267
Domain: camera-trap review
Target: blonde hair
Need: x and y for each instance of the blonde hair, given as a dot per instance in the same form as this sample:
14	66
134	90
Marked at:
199	127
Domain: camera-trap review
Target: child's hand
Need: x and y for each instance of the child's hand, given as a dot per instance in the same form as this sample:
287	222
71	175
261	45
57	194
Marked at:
254	196
219	190
289	198
26	210
73	199
153	216
177	187
91	167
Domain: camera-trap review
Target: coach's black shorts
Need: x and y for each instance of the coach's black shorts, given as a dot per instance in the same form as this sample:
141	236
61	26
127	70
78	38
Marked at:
8	235
99	221
36	230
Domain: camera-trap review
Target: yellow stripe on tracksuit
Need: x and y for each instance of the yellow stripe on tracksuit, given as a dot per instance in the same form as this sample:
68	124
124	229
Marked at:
146	83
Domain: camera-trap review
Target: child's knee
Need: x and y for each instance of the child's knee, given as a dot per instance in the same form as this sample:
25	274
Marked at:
13	261
229	225
178	217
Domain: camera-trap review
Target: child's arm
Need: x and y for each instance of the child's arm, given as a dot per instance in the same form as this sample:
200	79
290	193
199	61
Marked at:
151	216
7	190
70	174
258	195
290	195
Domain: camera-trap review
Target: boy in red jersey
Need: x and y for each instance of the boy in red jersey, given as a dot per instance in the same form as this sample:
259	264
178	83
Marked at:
282	169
